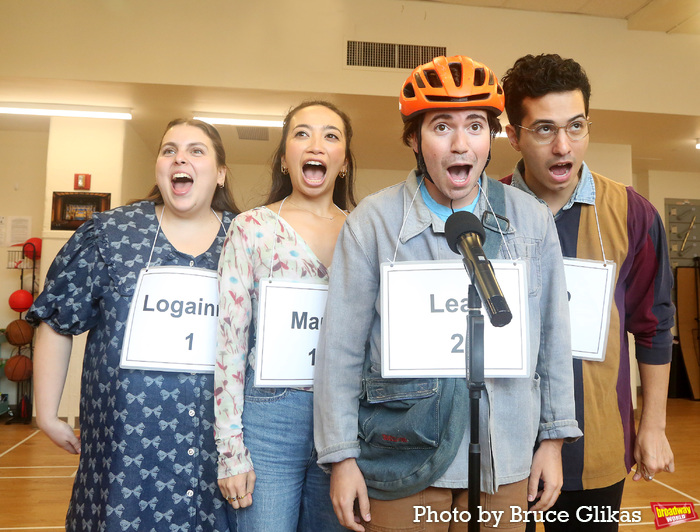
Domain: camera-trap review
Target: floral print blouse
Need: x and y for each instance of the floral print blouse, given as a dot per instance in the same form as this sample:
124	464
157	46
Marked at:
246	260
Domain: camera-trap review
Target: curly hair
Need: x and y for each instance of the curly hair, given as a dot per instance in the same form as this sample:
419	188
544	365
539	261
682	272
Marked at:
535	76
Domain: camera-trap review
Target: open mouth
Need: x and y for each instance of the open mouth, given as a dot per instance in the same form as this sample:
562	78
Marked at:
314	172
459	173
181	183
560	171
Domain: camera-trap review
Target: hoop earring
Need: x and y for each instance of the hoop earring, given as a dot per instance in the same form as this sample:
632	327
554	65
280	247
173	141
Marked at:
284	169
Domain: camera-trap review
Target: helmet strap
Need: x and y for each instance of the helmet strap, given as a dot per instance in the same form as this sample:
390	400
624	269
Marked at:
420	161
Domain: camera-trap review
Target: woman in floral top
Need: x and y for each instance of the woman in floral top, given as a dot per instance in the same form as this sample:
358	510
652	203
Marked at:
267	461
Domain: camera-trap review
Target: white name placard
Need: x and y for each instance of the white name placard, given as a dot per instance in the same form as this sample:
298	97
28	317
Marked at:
289	319
172	321
590	285
424	320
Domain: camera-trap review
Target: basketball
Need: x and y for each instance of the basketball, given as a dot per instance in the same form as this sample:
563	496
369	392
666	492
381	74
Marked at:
29	250
21	300
18	368
19	333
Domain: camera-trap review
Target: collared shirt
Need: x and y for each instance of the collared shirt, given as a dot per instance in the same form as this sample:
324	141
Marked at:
583	193
602	213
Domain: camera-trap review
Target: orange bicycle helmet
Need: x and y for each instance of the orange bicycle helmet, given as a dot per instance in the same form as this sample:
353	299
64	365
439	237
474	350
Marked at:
456	82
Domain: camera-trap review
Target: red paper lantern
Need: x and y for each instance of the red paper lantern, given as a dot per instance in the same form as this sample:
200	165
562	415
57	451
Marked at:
21	300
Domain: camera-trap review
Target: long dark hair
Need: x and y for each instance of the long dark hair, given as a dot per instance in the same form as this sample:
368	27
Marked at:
344	190
223	197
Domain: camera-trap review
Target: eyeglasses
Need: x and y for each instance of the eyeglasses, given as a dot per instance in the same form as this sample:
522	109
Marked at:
546	133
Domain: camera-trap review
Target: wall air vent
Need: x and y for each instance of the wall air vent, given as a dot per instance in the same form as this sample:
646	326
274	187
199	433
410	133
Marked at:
252	133
387	55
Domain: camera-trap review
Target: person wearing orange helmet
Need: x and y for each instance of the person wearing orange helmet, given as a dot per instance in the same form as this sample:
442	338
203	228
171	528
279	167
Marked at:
547	101
396	448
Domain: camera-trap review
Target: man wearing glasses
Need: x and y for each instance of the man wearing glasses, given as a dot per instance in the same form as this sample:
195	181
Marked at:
547	100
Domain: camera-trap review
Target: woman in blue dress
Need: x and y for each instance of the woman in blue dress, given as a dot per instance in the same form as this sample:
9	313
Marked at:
146	444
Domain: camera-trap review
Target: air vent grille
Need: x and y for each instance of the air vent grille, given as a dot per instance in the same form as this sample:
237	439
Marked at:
388	55
252	133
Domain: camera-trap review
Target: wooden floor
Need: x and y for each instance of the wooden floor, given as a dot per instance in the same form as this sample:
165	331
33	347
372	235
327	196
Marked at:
36	476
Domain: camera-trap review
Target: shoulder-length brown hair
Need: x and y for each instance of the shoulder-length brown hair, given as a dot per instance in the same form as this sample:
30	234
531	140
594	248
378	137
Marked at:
344	190
223	196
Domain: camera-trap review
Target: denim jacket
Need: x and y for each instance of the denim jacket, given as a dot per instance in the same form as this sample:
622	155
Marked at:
357	412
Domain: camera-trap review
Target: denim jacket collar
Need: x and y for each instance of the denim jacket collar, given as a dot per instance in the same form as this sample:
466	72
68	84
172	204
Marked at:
419	217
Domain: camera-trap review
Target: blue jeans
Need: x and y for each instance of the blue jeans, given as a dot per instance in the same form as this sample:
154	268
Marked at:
292	493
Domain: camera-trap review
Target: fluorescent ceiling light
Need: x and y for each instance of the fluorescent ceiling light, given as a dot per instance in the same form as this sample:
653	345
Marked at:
233	120
74	111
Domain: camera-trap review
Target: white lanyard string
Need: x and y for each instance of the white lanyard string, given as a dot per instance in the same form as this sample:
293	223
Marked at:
600	236
274	238
498	222
403	224
160	221
398	240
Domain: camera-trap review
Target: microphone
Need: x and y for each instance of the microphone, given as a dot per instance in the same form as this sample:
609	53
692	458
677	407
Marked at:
465	234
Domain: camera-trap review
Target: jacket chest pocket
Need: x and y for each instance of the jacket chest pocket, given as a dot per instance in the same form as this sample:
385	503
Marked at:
400	414
529	249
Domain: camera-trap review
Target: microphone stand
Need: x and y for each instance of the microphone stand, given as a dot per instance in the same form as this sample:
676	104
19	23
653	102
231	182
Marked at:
474	353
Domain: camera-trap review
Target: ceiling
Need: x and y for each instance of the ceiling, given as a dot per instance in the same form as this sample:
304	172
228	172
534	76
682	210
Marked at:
668	16
658	142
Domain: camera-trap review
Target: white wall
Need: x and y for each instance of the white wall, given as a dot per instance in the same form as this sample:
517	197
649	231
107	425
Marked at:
614	161
300	45
23	156
138	176
682	185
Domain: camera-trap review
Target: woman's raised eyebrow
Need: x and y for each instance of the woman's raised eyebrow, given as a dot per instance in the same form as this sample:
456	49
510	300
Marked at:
329	126
191	144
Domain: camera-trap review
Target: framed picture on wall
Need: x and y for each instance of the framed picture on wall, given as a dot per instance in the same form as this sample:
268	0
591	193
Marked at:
70	209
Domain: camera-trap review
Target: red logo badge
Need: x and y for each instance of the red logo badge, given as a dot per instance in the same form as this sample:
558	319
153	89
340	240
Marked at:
673	513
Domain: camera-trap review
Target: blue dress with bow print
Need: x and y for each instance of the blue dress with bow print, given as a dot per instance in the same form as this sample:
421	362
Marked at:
148	458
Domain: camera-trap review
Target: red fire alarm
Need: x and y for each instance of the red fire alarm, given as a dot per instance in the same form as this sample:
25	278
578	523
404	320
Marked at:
82	182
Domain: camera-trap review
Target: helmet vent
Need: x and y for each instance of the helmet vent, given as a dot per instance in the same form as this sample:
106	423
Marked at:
456	70
390	55
433	79
408	91
252	133
450	99
479	77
